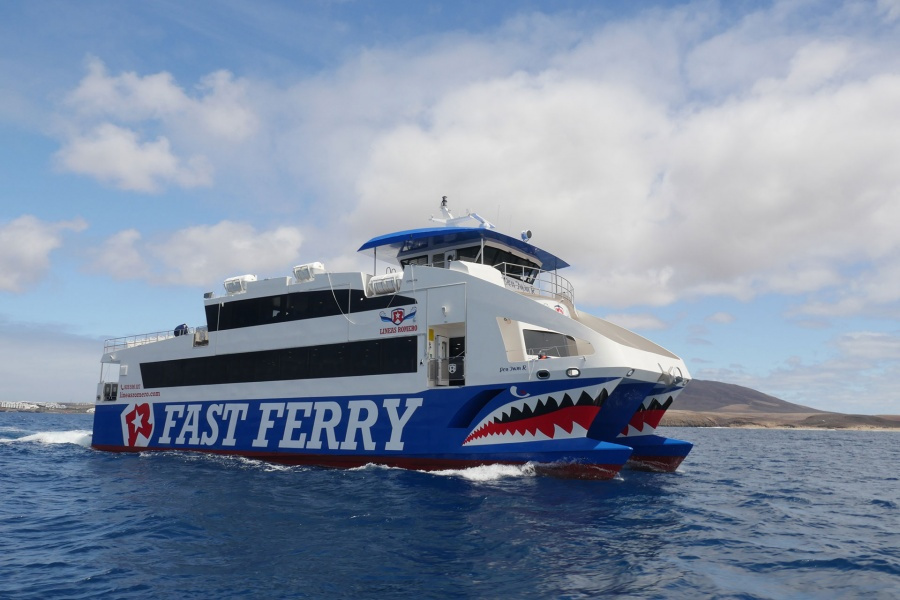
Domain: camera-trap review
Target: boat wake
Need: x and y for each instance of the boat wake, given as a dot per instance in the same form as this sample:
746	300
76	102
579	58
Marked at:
79	437
490	472
480	473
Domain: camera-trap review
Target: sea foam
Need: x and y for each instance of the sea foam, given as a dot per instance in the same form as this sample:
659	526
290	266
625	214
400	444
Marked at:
489	472
78	437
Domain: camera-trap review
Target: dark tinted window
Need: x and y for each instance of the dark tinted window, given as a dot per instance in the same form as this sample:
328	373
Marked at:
549	343
349	359
296	306
416	260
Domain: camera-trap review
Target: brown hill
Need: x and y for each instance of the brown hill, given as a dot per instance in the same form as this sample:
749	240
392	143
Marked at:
717	404
715	396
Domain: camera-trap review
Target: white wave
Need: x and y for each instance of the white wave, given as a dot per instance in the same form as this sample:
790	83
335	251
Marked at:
263	465
9	429
489	472
375	466
228	459
79	437
480	473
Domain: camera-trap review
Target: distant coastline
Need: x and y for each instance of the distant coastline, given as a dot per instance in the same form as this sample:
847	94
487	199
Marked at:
717	404
759	420
50	407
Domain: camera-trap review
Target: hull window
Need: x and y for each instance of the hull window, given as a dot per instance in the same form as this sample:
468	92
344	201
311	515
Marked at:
295	306
350	359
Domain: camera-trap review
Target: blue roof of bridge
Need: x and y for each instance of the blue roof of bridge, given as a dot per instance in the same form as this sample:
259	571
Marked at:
392	243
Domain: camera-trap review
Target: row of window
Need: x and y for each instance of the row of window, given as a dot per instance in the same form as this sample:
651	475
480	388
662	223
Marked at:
295	306
348	359
524	269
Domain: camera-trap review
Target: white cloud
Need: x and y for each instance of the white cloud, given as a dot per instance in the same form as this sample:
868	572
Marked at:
856	378
114	155
202	255
109	118
197	255
872	289
668	156
120	257
220	109
763	190
128	97
872	347
25	247
813	66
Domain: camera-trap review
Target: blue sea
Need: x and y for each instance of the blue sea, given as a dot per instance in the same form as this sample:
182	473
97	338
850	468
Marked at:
749	514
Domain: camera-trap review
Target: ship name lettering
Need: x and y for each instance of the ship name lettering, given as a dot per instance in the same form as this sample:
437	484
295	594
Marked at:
311	425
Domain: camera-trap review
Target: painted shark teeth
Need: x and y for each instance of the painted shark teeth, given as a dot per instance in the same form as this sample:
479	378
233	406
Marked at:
534	418
647	417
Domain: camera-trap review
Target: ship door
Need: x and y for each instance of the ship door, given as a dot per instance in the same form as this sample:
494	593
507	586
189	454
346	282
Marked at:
457	361
443	360
438	361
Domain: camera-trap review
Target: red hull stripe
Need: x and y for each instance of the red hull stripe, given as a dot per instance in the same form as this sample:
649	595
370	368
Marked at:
659	464
565	470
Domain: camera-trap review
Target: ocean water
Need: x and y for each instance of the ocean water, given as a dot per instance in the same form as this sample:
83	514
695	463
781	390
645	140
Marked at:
750	514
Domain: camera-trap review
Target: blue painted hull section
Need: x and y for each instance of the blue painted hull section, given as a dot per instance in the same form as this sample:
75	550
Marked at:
431	427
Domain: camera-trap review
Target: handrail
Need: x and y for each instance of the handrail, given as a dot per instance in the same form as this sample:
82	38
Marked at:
529	280
130	341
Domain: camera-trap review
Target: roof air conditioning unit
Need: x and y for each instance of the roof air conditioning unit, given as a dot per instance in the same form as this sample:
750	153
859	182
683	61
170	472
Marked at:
236	285
308	271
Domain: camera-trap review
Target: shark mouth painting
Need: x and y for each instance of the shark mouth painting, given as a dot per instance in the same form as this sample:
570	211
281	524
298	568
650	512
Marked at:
648	415
557	415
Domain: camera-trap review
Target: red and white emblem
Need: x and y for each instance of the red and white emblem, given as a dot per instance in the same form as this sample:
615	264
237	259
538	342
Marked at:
397	316
137	424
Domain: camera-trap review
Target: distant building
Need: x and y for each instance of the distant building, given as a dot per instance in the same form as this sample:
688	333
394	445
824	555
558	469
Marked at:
18	406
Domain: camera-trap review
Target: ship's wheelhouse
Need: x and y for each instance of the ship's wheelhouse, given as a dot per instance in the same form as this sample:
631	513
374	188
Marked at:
437	247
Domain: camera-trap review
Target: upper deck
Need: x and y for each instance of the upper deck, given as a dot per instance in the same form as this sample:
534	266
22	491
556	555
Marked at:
434	240
526	268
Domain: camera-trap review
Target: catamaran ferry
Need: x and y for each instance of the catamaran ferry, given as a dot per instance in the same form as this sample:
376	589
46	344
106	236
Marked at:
468	351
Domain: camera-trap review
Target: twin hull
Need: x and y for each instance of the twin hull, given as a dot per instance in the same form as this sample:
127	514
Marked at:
532	411
540	422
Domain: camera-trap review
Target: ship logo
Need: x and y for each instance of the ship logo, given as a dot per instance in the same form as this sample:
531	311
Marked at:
398	316
564	414
137	425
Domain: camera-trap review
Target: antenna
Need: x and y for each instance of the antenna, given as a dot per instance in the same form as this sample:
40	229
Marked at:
452	221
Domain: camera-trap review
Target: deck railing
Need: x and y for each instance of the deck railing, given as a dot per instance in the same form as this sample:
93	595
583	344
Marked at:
529	280
130	341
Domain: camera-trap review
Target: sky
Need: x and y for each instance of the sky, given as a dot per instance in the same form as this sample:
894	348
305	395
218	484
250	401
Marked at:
724	177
